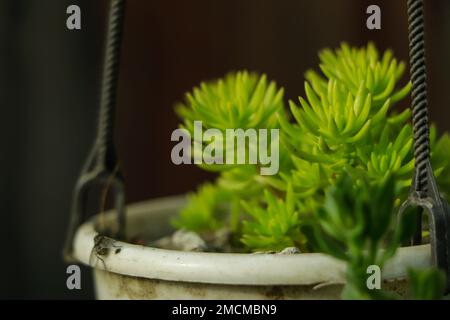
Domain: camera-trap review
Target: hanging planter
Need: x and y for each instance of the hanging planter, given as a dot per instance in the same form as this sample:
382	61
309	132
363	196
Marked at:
128	271
331	188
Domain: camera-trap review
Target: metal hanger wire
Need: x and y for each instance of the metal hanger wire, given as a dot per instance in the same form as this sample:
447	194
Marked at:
424	193
102	166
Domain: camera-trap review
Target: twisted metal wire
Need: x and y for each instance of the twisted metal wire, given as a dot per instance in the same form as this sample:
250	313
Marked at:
101	162
416	24
106	153
425	193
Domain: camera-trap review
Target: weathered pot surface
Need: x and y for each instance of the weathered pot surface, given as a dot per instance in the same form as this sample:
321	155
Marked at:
129	271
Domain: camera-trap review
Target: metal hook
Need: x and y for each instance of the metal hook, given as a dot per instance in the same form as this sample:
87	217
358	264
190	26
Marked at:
438	212
424	192
87	180
102	160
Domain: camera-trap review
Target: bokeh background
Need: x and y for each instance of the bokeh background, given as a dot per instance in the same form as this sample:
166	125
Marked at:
49	80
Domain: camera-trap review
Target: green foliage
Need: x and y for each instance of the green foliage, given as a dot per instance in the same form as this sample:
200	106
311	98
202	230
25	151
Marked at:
426	284
274	226
357	225
392	154
354	67
441	163
205	210
357	214
346	161
346	119
309	178
240	100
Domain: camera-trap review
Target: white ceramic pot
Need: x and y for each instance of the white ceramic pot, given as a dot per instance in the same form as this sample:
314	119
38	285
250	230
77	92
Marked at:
128	271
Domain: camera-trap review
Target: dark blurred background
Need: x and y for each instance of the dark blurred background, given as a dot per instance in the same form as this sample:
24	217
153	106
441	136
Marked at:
49	80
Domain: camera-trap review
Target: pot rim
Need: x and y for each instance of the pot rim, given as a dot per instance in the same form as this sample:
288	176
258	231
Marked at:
223	268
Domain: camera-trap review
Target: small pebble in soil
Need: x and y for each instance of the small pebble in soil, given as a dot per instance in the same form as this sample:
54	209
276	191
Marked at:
217	241
183	240
290	250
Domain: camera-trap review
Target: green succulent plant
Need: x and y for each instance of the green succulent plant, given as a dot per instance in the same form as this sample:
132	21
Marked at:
392	154
441	162
204	211
346	161
357	224
354	228
356	66
240	100
341	112
275	226
426	284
